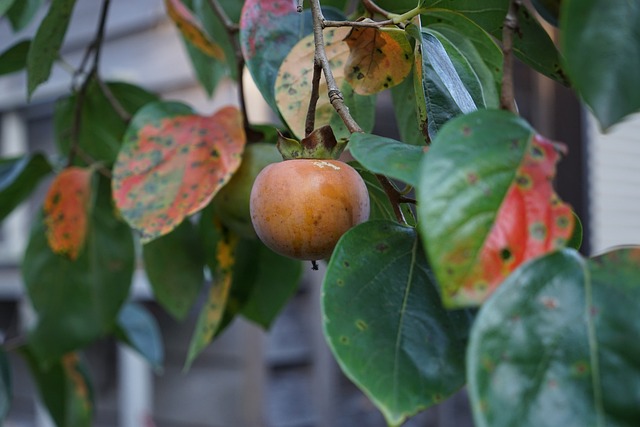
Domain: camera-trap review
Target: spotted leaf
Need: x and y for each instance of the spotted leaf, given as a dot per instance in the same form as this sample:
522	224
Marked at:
487	203
192	30
66	211
552	344
380	58
172	163
294	81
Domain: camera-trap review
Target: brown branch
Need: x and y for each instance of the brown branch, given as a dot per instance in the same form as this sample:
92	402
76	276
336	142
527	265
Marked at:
365	24
335	96
510	27
310	122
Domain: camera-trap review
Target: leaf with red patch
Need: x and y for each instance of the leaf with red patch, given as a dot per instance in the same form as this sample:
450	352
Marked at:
487	204
172	163
268	31
380	58
66	211
192	30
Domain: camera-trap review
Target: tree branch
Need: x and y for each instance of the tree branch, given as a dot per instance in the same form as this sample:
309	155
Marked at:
365	24
510	26
374	8
335	96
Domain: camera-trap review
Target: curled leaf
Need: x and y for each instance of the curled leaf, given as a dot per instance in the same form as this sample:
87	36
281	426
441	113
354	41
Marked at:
172	163
66	211
192	30
379	59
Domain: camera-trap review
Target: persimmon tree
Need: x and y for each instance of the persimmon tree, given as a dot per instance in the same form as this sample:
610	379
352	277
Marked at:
467	271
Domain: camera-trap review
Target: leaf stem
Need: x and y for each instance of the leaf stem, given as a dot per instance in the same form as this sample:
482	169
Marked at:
373	8
395	198
335	96
365	24
507	97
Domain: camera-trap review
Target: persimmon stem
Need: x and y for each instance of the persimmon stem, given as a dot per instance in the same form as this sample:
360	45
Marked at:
335	96
314	265
310	121
510	27
93	50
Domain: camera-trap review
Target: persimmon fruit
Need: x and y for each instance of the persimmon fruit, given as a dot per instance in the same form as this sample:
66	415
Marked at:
231	204
300	208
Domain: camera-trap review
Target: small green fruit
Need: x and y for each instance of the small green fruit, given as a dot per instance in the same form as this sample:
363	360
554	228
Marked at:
231	203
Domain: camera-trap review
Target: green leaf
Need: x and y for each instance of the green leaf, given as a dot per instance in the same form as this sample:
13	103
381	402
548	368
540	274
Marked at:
18	178
46	44
268	31
445	94
173	162
405	109
102	126
576	238
604	74
78	301
5	5
388	157
22	12
548	9
473	69
385	324
5	385
14	58
488	14
486	203
175	267
553	346
65	388
138	329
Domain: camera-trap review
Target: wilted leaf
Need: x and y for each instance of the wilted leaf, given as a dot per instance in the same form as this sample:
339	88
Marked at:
172	163
379	59
66	211
211	315
14	58
385	323
294	82
102	127
65	388
552	344
486	204
604	74
46	43
192	30
388	157
174	264
18	178
268	31
138	328
78	301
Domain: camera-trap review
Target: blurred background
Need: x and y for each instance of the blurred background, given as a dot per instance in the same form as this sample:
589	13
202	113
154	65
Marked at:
285	377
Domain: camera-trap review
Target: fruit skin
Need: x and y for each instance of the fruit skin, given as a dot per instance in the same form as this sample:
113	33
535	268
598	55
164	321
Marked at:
300	208
231	203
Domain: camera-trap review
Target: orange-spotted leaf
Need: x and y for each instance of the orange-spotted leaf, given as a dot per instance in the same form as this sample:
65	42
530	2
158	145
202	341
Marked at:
211	315
293	83
66	211
380	59
172	162
487	204
192	30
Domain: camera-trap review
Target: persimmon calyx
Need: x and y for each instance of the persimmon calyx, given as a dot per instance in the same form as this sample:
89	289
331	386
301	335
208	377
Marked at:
321	144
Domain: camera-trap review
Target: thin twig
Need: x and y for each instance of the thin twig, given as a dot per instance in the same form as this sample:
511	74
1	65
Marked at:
229	25
15	343
93	50
299	8
394	197
507	97
310	122
115	103
366	24
374	8
335	96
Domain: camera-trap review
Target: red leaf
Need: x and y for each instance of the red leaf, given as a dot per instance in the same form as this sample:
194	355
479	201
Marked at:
192	30
531	221
171	166
66	210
